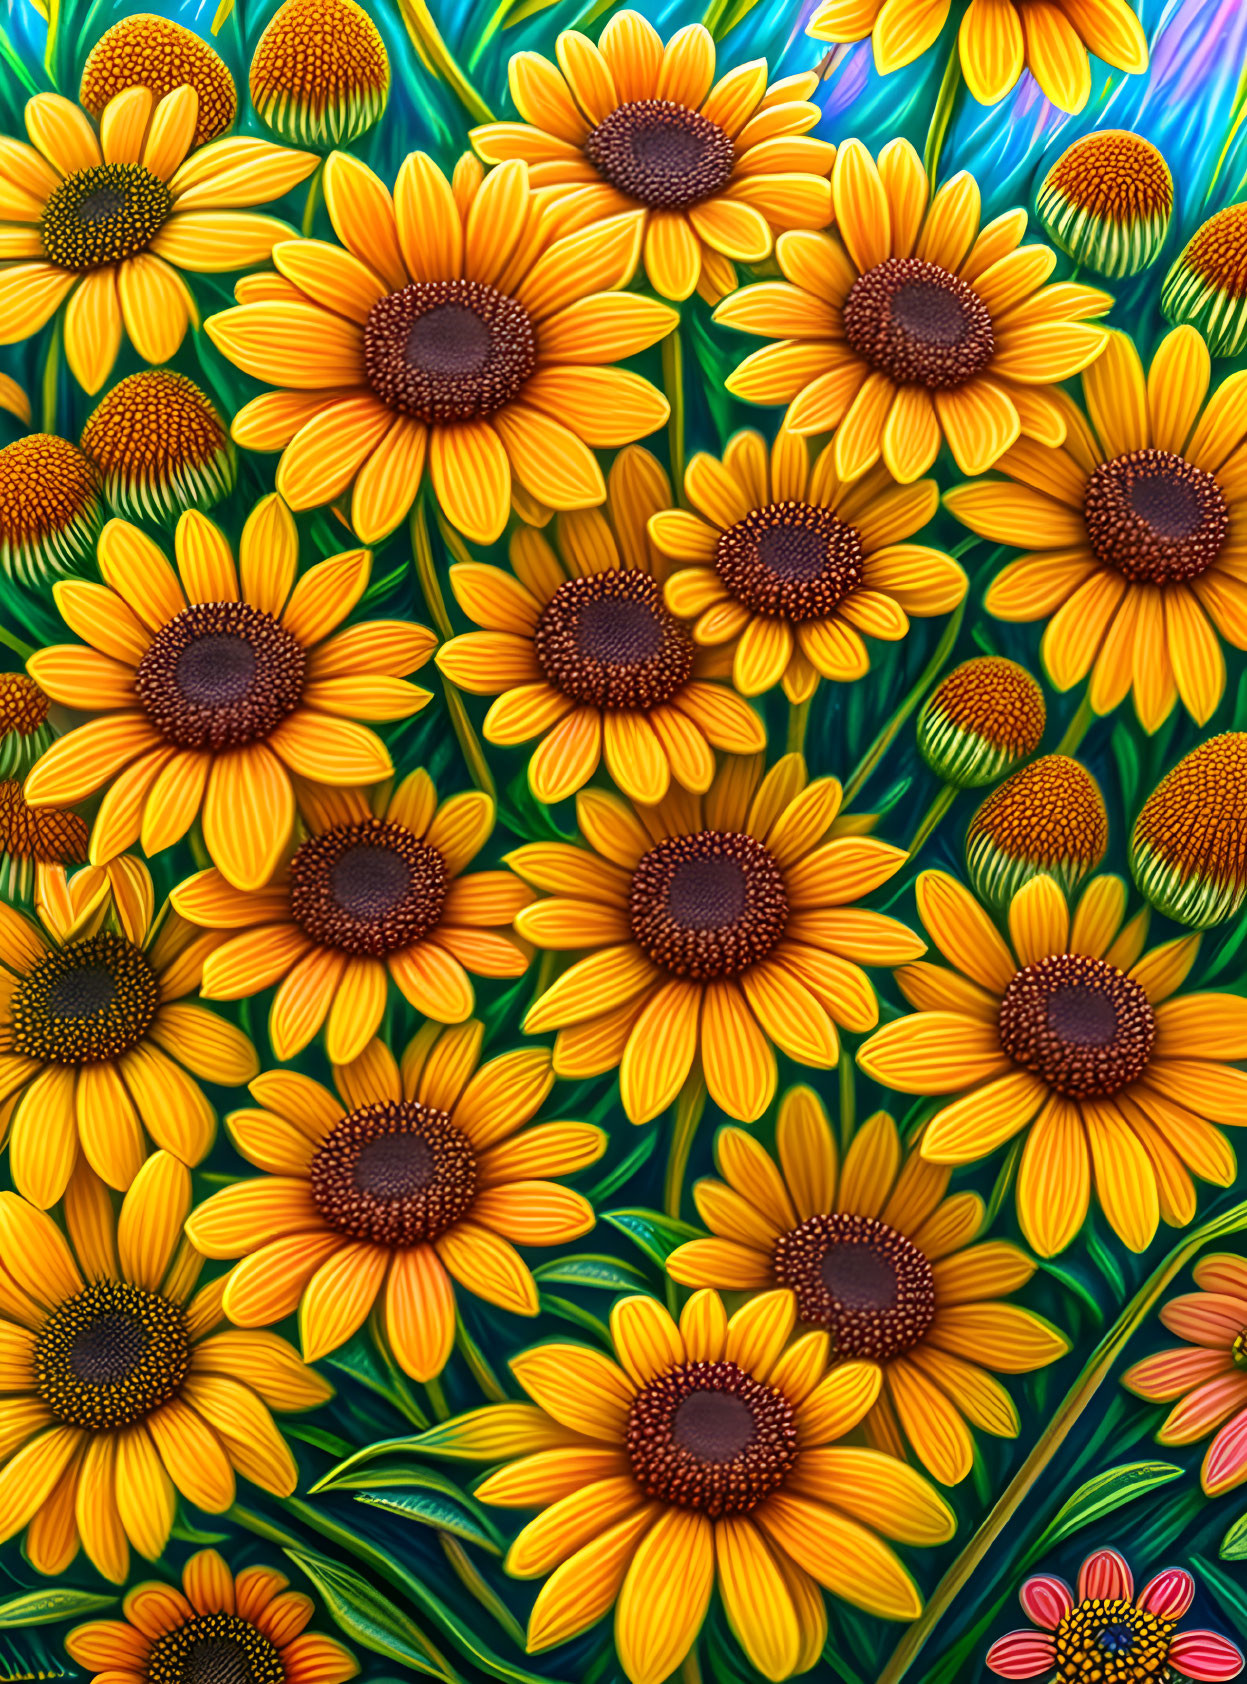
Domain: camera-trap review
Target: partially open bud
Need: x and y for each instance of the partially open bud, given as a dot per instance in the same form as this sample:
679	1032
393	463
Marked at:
1207	285
1106	202
1048	817
320	75
34	838
160	447
51	511
24	729
1188	850
982	719
146	51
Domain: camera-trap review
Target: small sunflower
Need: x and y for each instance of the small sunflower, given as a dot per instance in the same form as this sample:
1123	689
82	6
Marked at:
909	325
885	1262
159	446
24	729
449	329
696	1457
35	841
788	568
120	1393
980	721
1133	530
1188	848
1073	1035
375	894
102	221
320	74
213	684
99	1047
51	508
716	168
997	40
220	1626
580	649
407	1181
145	50
717	925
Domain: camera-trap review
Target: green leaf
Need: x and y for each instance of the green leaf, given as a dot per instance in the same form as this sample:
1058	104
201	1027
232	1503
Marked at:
655	1234
1234	1544
623	1171
431	1509
45	1607
1107	1491
365	1614
587	1270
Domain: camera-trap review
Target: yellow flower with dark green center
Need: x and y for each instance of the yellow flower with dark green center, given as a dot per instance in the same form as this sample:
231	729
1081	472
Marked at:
1188	849
719	927
120	1393
581	650
880	1256
1207	286
51	510
1107	201
450	330
1070	1034
997	40
99	1047
320	74
1134	552
715	167
699	1457
102	221
982	719
785	569
910	326
390	1193
376	894
148	51
1048	820
160	447
216	684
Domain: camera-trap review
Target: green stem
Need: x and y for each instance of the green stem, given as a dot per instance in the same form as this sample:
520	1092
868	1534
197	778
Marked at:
479	1368
798	719
875	753
431	589
848	1104
673	386
437	1399
1075	1401
1078	726
713	16
943	113
24	650
312	201
934	813
428	42
51	376
688	1112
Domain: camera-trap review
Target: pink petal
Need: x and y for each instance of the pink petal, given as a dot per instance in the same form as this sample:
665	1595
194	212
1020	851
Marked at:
1205	1654
1204	1318
1169	1594
1223	1272
1106	1575
1025	1654
1046	1600
1204	1409
1225	1465
1170	1374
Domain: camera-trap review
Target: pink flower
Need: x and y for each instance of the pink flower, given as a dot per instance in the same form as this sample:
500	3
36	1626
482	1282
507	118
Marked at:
1134	1636
1205	1379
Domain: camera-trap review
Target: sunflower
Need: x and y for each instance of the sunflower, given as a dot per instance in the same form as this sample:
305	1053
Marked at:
885	1262
581	650
219	1626
910	325
703	1455
714	167
407	1181
102	220
99	1048
375	894
1068	1033
1103	1630
788	567
997	40
1205	1379
717	925
214	683
1134	531
448	325
120	1395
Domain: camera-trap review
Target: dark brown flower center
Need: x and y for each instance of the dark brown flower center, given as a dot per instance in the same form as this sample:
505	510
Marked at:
110	1355
708	1436
1080	1024
368	887
396	1173
859	1278
103	214
448	350
708	905
214	1649
664	155
84	1003
1107	1640
1155	517
791	560
919	324
220	675
607	641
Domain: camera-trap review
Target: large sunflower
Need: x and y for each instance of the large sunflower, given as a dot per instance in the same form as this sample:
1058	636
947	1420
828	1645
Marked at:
881	1258
997	40
102	220
716	167
717	925
99	1048
702	1456
1136	531
213	684
580	649
406	1181
119	1393
452	329
375	894
1068	1032
909	325
784	568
